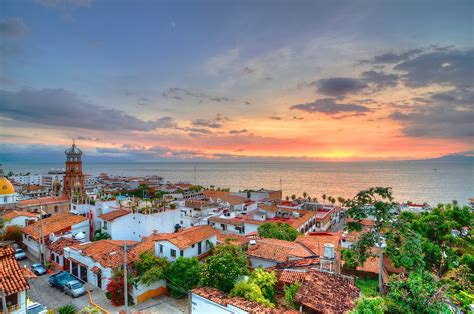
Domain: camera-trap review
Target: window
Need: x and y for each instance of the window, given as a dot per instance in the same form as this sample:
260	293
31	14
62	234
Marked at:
199	248
193	246
173	253
181	253
161	248
105	225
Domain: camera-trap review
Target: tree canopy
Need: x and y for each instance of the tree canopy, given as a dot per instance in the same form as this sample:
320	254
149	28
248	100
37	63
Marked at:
183	275
224	267
278	230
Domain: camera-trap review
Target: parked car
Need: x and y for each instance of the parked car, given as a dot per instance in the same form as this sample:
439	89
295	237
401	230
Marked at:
58	280
20	254
74	288
38	269
36	308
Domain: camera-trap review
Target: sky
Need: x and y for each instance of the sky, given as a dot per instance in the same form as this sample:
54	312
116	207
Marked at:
236	80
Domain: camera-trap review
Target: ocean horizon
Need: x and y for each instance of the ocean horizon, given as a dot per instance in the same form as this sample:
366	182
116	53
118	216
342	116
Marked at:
431	181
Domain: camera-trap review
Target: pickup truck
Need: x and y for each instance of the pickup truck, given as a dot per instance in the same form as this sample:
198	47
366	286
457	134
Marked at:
58	280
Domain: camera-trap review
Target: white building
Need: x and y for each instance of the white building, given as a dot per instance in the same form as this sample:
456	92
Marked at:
38	235
13	282
94	262
19	218
122	224
30	179
191	242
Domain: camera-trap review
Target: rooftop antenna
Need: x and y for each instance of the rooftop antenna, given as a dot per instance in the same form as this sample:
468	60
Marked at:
281	185
195	181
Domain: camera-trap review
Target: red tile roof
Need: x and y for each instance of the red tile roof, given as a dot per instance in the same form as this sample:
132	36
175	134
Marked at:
327	293
297	264
187	237
315	241
57	223
49	200
289	277
12	279
58	245
111	216
277	250
108	253
234	238
18	213
226	197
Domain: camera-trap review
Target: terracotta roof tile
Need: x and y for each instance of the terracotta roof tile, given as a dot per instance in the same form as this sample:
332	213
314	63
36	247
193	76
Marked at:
277	250
12	279
111	216
43	201
58	245
226	197
108	253
327	293
315	241
18	213
54	224
297	263
187	237
289	277
234	238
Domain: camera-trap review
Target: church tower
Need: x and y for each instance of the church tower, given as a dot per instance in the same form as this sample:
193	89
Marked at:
74	179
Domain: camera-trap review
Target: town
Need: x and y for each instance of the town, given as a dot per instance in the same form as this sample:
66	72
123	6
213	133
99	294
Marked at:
70	240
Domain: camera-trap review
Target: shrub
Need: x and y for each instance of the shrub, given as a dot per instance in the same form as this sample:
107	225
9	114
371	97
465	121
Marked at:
279	230
67	309
290	293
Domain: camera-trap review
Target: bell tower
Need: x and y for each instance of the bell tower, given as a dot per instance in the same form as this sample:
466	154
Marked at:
74	179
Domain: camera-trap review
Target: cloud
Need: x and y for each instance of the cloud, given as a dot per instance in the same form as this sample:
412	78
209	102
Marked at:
380	80
339	86
181	93
393	57
173	24
12	27
213	123
92	139
451	66
248	71
58	107
63	3
447	114
238	131
275	118
329	106
198	130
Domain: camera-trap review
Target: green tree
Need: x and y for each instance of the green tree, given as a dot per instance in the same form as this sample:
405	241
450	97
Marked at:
224	267
305	195
293	197
13	233
183	275
149	268
405	248
266	281
290	293
460	282
376	203
250	291
101	235
370	305
278	230
413	294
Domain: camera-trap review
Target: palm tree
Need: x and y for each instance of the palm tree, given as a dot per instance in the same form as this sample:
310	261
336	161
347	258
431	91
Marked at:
332	200
324	197
293	197
315	199
287	198
304	195
341	200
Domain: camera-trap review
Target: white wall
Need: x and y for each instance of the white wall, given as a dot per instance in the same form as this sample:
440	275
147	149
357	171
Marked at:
21	303
135	226
19	221
140	289
187	252
200	305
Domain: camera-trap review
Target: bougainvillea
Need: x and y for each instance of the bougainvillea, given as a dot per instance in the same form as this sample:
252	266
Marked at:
115	288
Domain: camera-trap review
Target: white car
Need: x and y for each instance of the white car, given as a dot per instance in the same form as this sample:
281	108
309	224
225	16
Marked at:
36	308
20	254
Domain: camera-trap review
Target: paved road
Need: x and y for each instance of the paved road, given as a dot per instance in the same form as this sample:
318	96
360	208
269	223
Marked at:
52	298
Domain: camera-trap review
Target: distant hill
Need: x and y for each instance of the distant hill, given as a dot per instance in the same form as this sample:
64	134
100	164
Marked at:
453	157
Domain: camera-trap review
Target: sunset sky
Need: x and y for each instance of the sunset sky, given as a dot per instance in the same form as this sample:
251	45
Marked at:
154	80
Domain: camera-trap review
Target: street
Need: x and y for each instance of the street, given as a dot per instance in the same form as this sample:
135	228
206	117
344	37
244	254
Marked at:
41	292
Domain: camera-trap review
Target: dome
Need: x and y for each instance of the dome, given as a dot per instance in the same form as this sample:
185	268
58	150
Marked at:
6	187
73	150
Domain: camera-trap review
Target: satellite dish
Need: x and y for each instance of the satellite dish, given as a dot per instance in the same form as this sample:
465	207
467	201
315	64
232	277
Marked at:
80	236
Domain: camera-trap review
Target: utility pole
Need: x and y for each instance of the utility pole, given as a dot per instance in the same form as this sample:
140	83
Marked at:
4	302
125	284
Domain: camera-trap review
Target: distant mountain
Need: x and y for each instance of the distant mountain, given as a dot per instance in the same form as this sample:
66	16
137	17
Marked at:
453	157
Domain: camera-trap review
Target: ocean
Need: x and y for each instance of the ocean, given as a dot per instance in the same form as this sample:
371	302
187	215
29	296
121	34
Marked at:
417	181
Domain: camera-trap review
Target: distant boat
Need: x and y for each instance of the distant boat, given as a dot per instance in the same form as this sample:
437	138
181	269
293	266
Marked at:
435	169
